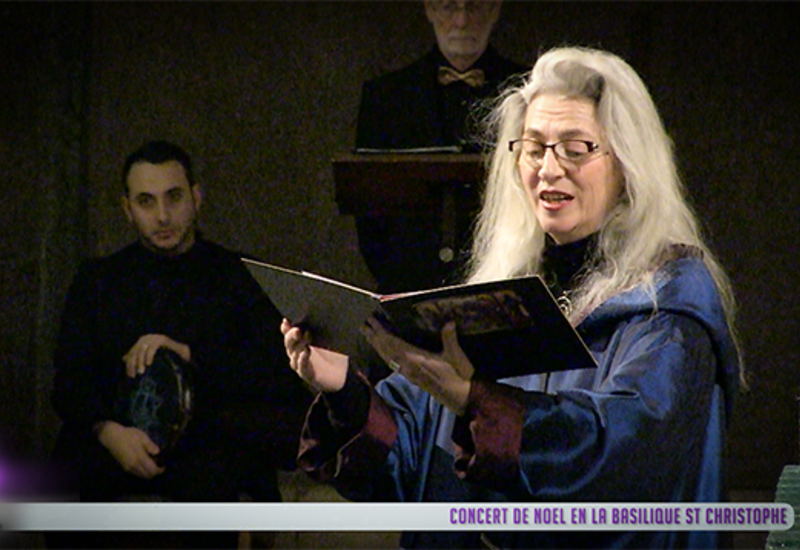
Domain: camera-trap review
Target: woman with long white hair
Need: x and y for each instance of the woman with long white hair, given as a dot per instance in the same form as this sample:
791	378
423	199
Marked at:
582	190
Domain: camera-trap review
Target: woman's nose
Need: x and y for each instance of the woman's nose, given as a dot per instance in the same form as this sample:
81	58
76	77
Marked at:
551	168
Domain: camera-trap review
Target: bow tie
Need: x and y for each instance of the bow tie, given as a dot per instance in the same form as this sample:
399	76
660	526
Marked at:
473	77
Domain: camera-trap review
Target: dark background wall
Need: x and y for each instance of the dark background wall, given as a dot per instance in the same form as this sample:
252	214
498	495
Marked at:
262	94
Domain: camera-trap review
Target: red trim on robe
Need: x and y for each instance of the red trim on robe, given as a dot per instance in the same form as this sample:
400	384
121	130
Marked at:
488	437
318	456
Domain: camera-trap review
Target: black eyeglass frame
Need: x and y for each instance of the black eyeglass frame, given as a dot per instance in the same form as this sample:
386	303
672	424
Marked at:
590	145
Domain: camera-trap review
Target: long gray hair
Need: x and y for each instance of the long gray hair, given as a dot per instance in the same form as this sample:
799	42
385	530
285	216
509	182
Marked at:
651	215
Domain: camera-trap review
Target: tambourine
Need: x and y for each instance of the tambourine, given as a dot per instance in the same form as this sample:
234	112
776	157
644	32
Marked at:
159	402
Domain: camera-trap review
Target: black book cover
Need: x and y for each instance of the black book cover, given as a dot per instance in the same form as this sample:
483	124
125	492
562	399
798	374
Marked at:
507	328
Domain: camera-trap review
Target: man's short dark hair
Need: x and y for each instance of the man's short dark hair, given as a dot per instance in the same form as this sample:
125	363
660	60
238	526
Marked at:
158	152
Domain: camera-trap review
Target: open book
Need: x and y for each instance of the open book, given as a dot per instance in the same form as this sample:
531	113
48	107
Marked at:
507	328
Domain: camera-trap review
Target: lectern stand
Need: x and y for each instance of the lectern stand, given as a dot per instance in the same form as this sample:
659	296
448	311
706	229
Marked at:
412	184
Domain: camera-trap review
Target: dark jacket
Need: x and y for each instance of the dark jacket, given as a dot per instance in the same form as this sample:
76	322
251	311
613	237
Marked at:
410	108
205	298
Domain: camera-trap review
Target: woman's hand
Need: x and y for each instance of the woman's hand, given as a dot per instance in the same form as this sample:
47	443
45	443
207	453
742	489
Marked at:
446	376
322	369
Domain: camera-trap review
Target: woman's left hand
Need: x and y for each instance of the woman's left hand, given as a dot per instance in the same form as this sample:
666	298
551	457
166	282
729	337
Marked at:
446	376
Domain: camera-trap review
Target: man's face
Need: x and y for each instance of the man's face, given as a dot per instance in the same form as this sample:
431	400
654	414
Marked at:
162	206
462	28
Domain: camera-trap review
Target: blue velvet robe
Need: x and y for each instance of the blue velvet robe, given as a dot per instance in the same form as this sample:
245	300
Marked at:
648	425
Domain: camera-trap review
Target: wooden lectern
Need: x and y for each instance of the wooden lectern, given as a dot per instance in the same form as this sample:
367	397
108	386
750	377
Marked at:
412	184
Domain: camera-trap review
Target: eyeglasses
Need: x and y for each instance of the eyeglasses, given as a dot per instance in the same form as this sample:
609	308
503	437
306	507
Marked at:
569	152
449	9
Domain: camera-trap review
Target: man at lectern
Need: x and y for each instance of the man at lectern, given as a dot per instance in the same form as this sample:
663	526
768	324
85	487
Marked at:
433	102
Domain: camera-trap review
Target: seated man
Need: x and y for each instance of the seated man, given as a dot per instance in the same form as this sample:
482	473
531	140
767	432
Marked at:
434	102
173	289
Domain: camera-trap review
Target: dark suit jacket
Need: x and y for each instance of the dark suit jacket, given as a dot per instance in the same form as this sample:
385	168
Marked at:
410	108
248	406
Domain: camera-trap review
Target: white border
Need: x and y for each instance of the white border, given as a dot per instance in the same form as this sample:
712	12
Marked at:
395	517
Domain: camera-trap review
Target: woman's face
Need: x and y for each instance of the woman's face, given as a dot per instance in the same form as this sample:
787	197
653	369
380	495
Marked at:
570	198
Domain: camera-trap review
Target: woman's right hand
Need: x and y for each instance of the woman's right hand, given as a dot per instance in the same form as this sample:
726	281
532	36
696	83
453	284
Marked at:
324	370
